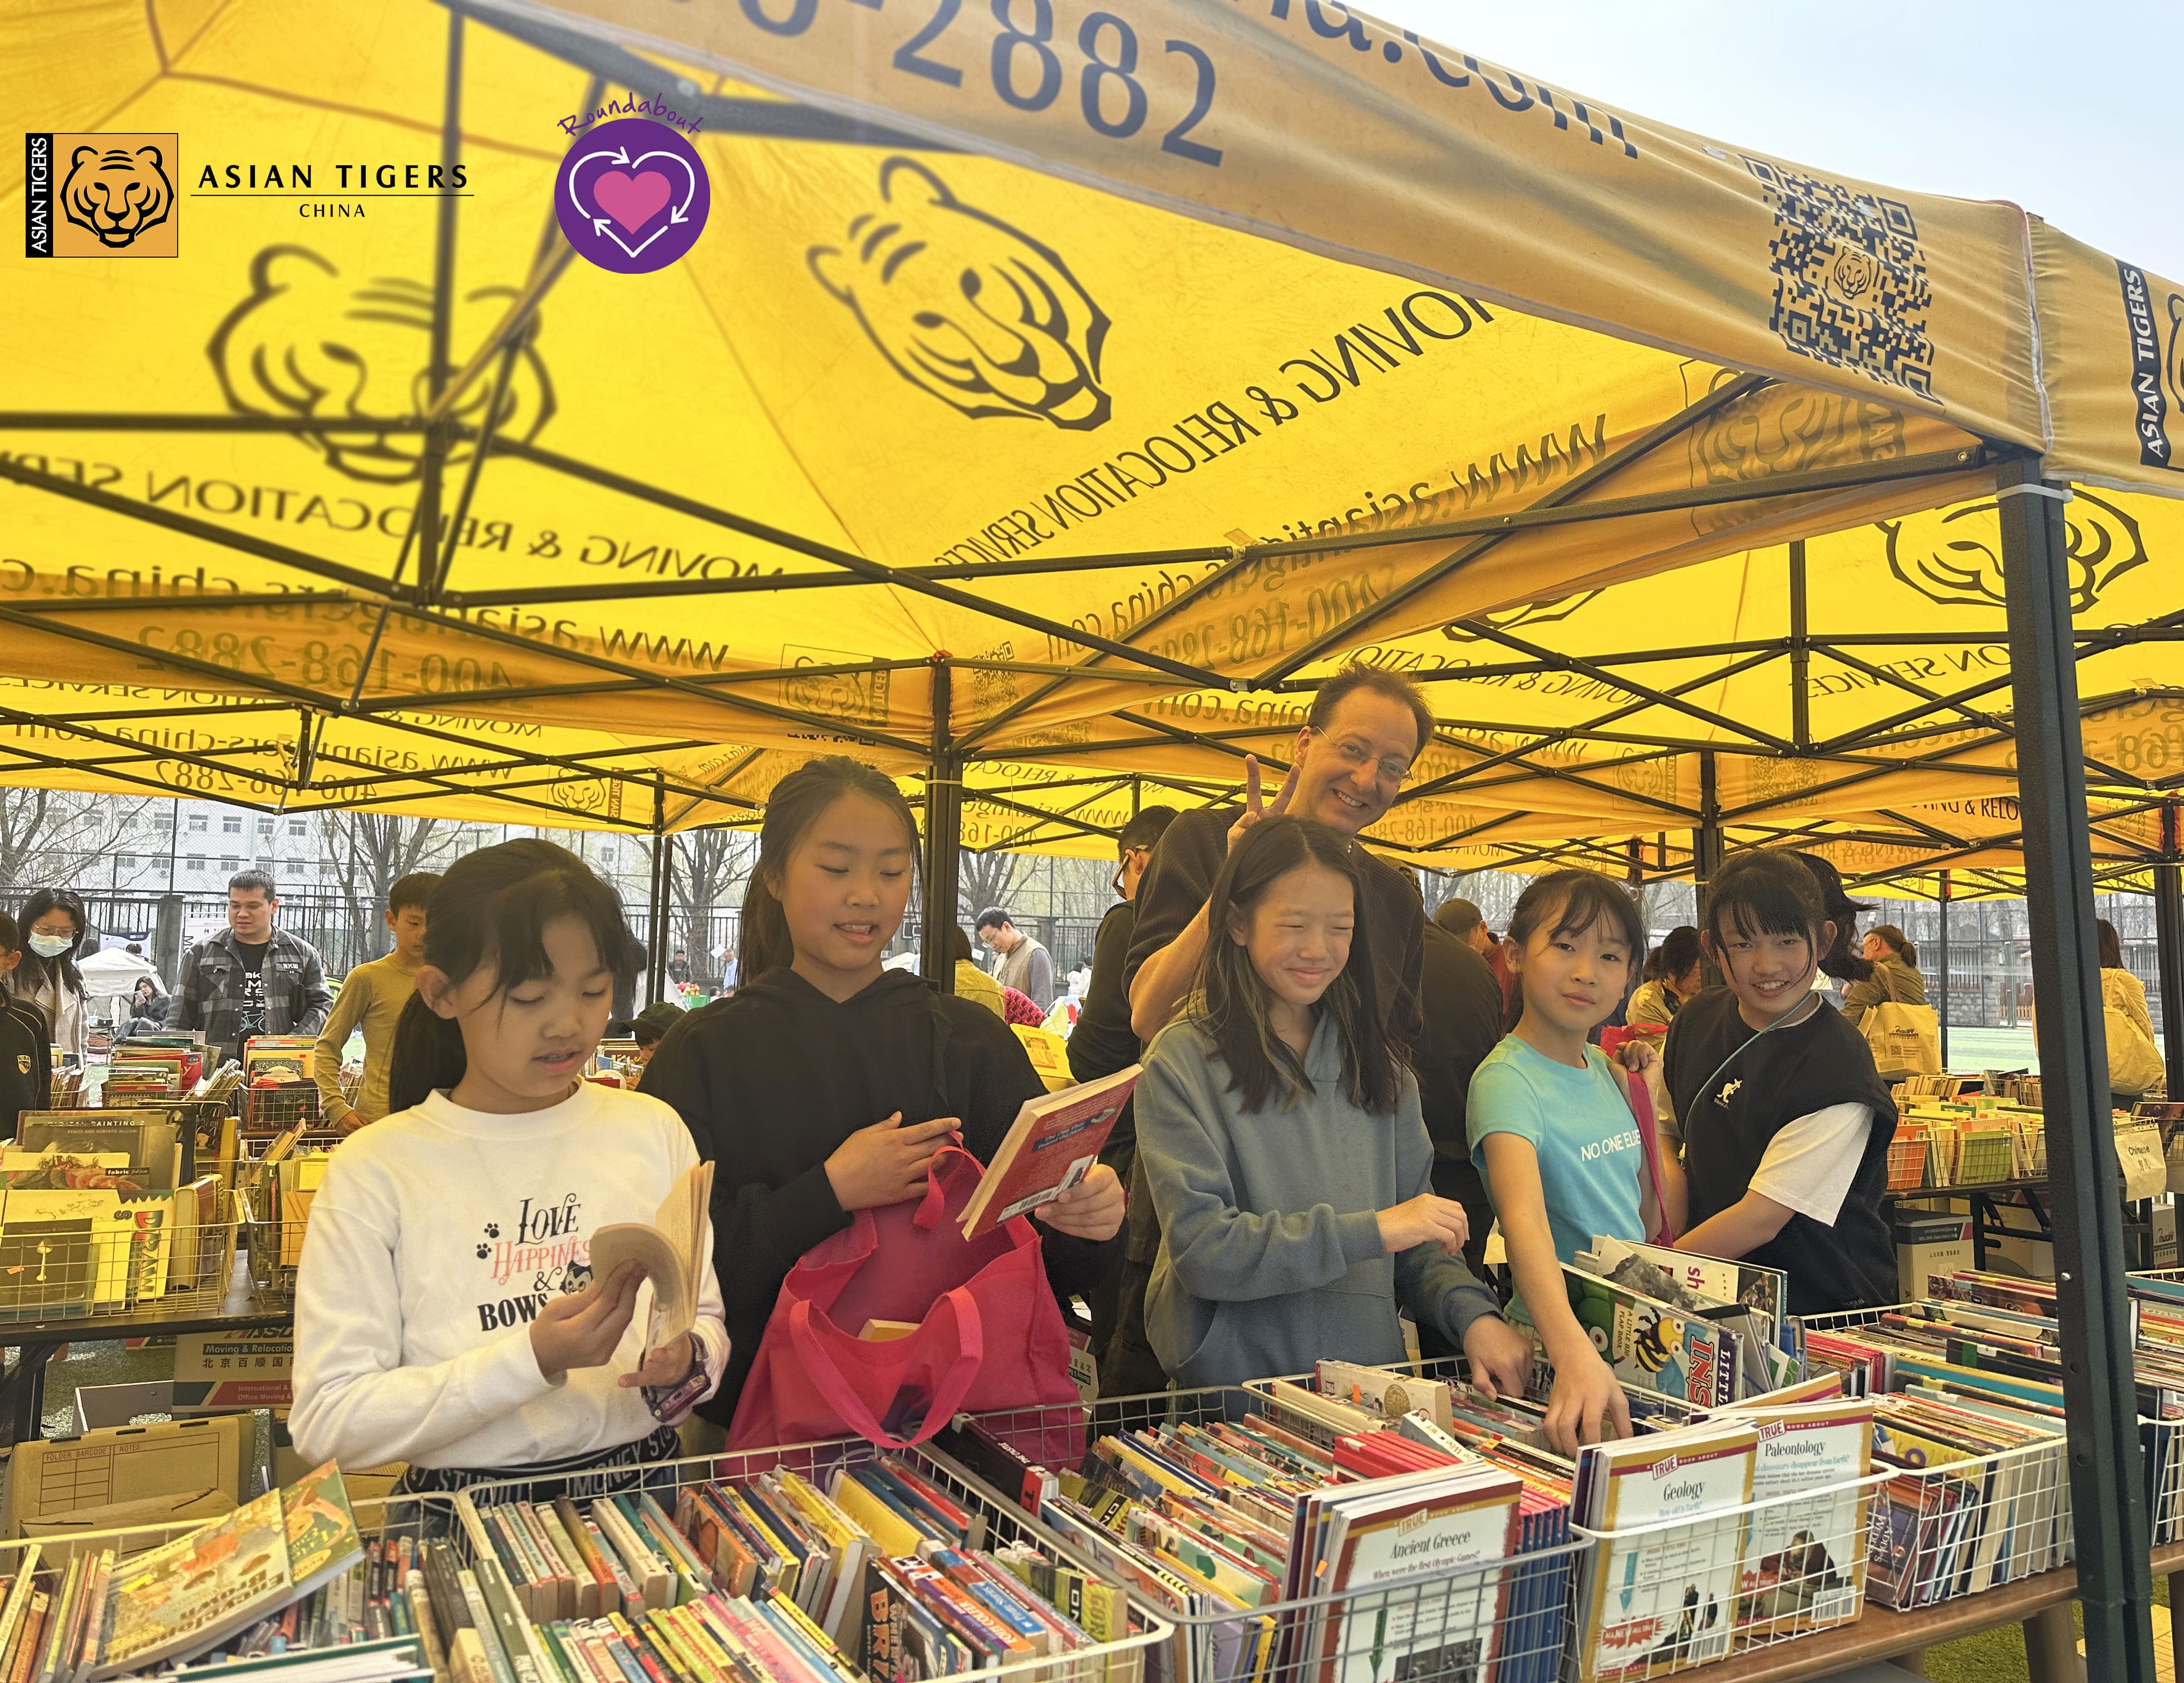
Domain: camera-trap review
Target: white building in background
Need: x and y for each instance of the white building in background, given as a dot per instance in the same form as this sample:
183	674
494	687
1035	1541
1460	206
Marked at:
192	847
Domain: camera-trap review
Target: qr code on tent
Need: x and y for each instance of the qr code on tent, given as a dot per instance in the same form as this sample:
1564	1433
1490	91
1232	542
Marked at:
1850	278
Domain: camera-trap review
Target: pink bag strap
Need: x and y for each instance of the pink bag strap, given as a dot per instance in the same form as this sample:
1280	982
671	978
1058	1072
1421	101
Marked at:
852	1408
1640	1098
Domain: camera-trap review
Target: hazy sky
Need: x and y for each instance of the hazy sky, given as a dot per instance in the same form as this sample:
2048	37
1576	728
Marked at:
2065	109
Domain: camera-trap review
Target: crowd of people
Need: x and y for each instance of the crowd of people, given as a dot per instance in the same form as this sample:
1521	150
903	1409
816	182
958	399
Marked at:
1340	1097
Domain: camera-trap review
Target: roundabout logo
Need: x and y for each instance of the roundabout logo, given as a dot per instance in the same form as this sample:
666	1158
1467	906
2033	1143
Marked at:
631	197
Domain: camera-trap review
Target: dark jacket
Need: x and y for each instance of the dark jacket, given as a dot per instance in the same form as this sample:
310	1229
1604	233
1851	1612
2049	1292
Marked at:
26	1062
210	992
1734	1091
1179	879
1462	1002
771	1081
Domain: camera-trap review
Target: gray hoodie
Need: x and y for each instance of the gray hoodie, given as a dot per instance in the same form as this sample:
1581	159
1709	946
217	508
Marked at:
1270	1253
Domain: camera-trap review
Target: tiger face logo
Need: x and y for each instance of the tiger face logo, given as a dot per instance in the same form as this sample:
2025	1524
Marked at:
1953	556
309	340
117	192
963	306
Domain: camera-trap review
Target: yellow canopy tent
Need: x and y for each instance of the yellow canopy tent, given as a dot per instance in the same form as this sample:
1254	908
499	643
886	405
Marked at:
1112	357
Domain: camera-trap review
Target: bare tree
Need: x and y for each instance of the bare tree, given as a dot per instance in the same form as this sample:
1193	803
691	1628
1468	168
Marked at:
55	836
708	866
987	879
370	852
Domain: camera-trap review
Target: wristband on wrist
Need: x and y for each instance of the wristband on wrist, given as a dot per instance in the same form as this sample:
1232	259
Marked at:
671	1401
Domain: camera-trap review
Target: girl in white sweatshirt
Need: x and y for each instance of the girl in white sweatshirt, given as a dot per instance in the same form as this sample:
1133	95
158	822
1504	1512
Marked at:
446	1314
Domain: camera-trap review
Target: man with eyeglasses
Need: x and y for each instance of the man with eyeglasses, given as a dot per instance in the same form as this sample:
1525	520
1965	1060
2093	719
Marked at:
1365	727
1102	1042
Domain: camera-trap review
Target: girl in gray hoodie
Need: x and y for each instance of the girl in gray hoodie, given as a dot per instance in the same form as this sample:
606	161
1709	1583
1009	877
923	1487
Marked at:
1285	1149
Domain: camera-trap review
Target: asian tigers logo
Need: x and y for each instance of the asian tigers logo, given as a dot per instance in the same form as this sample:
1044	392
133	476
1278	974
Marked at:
116	194
1953	556
964	306
309	341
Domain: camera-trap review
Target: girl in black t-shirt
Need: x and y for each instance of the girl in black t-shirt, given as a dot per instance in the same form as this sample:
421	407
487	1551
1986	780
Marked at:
1783	1123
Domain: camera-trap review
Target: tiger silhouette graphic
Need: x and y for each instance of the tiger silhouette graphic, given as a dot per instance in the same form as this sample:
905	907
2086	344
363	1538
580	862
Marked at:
116	192
967	308
1953	556
309	340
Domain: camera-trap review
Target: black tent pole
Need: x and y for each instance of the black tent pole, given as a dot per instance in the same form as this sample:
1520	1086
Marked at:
2169	935
2092	1294
943	836
1941	990
1706	840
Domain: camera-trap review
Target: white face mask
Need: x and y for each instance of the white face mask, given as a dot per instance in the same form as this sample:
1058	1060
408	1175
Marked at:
51	946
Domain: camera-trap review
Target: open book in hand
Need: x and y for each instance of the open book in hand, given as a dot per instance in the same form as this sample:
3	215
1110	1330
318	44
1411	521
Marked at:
1053	1144
670	1251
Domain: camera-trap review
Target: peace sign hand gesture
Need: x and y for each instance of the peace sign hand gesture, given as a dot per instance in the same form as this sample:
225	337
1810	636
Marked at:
1253	811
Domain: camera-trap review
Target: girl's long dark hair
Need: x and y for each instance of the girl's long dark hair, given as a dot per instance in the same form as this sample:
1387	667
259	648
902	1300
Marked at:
762	942
41	971
492	908
1236	1008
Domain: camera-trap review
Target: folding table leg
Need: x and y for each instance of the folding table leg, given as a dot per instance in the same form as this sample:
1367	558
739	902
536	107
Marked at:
2051	1648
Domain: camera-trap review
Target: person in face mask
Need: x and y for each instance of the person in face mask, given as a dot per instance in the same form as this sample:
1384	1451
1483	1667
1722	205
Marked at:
53	923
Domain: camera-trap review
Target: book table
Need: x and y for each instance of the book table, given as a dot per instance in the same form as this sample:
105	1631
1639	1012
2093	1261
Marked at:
2042	1603
1991	1202
23	1392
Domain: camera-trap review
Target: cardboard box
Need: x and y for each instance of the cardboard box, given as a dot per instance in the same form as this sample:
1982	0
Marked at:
189	1468
364	1484
1926	1246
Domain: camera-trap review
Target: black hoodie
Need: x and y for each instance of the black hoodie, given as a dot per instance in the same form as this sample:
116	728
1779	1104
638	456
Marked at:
771	1079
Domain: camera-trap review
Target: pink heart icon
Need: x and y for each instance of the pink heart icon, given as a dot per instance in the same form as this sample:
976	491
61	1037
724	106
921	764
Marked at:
631	203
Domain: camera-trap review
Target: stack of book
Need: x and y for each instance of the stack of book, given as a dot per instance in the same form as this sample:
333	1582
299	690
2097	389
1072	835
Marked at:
166	1065
99	1616
1223	1524
769	1579
1976	1141
1697	1329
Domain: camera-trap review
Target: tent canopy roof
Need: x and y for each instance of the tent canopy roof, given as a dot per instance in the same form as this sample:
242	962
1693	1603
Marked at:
1117	448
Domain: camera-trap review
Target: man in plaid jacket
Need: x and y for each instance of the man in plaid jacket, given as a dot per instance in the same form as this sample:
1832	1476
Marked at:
251	979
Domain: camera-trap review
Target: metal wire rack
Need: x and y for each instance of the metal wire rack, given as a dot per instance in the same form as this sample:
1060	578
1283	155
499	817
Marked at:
1138	1653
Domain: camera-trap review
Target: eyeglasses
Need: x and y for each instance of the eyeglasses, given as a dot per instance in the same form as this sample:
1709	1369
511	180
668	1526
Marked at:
1122	869
1390	769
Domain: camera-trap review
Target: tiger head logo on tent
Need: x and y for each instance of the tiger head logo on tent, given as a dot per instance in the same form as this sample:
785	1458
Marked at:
309	340
117	192
964	306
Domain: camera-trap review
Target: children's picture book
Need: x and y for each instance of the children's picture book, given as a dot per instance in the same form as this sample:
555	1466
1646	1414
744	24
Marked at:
671	1250
286	1057
1651	1347
185	1595
1053	1144
48	1270
1656	1597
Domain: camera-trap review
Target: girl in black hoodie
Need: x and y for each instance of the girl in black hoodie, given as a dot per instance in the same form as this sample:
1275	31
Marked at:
824	1083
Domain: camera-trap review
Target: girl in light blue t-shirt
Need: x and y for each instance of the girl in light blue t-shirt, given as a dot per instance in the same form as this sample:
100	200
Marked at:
1552	1131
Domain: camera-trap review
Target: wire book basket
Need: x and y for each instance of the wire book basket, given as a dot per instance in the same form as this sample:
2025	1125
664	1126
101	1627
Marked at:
134	1260
1959	1527
997	1522
1654	1598
268	1110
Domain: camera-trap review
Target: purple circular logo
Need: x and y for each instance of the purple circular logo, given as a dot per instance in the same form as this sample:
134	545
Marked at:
631	196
